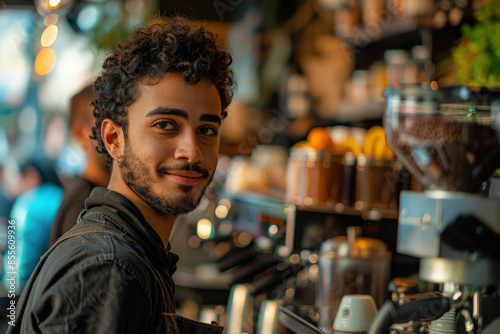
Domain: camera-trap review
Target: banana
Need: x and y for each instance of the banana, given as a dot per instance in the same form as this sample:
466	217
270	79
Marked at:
348	145
375	146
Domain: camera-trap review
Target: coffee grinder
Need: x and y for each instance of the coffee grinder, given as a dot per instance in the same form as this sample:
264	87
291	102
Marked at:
449	140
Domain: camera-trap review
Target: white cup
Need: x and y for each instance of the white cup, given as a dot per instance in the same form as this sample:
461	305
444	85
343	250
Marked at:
355	314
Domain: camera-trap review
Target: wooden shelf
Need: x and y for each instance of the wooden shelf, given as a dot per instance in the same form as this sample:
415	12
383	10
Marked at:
279	207
369	215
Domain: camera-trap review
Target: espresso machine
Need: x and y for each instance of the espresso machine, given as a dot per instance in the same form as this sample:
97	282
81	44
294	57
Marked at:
449	140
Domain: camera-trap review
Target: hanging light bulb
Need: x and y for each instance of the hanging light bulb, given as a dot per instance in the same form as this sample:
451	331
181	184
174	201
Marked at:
59	7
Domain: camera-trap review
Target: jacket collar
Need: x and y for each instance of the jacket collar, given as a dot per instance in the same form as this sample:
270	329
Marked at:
131	221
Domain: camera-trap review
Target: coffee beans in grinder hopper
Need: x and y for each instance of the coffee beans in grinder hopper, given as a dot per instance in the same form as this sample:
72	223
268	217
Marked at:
445	153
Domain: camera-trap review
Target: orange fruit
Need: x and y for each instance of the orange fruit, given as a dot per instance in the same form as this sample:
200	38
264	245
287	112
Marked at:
320	140
301	145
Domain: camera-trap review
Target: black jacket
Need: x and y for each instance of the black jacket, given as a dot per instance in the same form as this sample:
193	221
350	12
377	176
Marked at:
108	274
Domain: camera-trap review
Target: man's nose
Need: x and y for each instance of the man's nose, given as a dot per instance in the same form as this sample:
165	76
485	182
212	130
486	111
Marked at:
188	148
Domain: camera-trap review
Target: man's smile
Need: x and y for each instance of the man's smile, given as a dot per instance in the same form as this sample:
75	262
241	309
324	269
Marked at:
186	177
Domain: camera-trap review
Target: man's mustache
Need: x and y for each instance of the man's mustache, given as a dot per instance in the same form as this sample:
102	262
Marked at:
185	167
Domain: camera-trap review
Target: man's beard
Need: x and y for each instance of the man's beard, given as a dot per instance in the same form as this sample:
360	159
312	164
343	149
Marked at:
137	176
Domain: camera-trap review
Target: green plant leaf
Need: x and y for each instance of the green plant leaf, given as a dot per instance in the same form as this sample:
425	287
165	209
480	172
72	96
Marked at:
478	57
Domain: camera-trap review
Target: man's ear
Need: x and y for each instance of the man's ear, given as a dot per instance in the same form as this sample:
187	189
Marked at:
112	136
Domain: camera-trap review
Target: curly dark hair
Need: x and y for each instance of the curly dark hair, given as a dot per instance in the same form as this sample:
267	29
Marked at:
164	45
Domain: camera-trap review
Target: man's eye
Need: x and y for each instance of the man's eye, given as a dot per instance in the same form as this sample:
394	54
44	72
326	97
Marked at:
165	125
209	131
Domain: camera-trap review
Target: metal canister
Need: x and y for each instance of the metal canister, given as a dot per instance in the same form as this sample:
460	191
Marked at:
352	265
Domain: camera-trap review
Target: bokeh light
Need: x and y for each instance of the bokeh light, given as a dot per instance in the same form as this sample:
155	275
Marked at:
204	229
54	3
45	61
273	229
50	19
87	18
221	211
49	36
61	7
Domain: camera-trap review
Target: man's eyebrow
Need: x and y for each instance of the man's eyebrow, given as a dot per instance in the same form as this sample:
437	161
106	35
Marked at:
168	111
210	118
183	114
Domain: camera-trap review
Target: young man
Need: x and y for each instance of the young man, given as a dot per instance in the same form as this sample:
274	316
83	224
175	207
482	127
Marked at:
95	174
159	106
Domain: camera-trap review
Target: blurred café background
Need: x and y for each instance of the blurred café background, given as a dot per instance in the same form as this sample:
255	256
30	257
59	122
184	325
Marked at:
304	166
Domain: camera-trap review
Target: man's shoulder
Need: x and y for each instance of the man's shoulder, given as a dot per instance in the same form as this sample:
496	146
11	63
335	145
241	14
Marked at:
100	241
93	275
95	245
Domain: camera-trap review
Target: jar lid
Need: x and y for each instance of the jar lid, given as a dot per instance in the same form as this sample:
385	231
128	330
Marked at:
357	247
311	154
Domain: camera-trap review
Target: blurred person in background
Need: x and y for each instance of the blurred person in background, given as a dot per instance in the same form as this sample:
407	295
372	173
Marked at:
95	173
160	101
32	214
5	205
5	196
5	201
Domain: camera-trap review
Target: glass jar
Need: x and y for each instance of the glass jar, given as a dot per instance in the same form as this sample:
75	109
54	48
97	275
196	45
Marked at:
317	179
447	138
377	184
